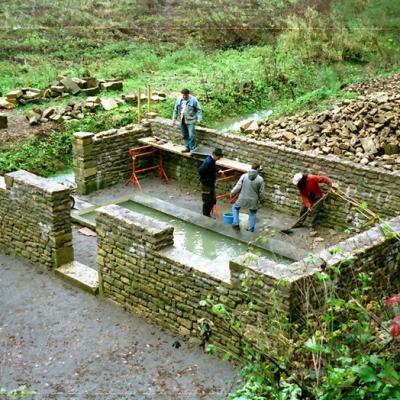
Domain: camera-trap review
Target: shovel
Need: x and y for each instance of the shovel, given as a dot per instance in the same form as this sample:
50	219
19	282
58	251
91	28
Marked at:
288	231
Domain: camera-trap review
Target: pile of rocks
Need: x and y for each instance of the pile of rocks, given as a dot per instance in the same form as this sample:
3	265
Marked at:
61	87
20	96
76	109
365	130
88	85
371	86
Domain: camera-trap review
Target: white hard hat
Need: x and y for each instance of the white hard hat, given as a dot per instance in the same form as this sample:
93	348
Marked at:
297	178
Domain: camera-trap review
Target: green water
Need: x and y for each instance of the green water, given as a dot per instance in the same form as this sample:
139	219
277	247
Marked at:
193	238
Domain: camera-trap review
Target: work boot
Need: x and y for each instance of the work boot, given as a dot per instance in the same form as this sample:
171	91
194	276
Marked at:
236	227
250	229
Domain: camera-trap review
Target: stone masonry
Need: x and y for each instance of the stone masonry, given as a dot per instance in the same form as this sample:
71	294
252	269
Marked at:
102	160
140	269
379	188
35	220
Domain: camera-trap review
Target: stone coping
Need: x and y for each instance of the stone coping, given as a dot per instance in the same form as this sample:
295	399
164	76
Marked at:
360	241
133	218
271	268
45	184
202	265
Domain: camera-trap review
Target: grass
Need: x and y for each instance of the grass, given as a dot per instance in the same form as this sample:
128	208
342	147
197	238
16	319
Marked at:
300	66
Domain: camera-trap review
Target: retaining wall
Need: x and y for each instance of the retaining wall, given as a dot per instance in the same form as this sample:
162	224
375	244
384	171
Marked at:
35	220
102	160
140	269
379	188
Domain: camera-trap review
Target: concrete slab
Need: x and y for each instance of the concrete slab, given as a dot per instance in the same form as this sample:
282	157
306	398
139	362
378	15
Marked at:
79	275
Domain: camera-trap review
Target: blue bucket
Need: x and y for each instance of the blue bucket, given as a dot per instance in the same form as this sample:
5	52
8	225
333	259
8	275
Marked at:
228	218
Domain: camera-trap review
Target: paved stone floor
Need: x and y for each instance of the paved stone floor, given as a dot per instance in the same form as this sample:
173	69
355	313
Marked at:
187	197
64	343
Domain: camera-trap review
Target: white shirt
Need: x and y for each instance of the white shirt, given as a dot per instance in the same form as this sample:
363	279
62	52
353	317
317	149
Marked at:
183	107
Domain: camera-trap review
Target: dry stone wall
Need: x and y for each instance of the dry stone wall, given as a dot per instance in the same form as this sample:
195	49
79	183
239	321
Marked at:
35	220
379	188
102	160
140	269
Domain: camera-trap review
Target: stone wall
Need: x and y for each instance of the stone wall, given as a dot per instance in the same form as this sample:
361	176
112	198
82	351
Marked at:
140	269
35	220
375	252
102	160
379	188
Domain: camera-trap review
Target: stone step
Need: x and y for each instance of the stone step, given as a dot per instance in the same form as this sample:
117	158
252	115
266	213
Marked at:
79	275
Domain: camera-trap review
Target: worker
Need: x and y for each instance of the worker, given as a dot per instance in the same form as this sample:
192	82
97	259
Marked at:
310	193
208	176
187	109
251	189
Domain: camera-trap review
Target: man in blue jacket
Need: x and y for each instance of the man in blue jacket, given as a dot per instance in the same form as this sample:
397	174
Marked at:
187	109
208	176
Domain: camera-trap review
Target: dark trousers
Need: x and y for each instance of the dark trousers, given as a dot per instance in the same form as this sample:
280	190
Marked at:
316	210
209	199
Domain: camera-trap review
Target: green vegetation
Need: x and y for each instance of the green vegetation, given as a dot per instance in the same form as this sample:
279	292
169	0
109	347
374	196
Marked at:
237	57
345	348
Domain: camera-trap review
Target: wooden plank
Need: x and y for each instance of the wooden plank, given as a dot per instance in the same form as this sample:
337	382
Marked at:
239	166
168	146
177	149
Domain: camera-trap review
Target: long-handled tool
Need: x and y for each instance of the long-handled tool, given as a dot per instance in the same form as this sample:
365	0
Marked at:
363	210
288	231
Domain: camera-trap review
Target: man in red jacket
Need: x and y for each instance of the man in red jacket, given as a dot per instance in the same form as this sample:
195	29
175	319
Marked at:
310	193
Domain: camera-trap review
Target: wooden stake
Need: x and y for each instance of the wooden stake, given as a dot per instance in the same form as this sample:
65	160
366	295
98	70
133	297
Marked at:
139	105
148	98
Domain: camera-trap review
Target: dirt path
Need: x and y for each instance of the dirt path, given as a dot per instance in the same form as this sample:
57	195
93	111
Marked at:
64	343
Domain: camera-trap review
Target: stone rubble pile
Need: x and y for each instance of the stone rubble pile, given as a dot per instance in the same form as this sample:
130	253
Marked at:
61	87
371	86
88	86
76	109
365	130
20	96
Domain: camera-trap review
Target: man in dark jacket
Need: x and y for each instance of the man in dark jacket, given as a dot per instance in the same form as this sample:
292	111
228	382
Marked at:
208	176
310	193
252	190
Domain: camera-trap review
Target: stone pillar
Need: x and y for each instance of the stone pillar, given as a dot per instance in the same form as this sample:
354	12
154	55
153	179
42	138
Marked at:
35	220
84	162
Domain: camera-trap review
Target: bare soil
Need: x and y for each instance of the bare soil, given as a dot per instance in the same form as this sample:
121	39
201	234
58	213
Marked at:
19	130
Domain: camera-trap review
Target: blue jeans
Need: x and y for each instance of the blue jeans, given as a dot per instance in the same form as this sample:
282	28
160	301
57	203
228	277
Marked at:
189	135
252	217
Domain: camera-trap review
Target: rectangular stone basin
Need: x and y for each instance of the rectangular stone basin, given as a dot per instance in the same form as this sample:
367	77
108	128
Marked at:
199	235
